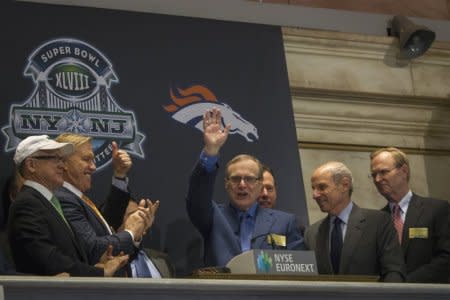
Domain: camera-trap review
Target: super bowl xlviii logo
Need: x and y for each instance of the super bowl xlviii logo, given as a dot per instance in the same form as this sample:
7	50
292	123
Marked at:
72	94
190	104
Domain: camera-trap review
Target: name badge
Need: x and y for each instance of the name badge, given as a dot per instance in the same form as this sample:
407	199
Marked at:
278	240
418	233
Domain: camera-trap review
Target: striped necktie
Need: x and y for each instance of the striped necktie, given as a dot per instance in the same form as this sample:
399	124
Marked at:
398	221
96	211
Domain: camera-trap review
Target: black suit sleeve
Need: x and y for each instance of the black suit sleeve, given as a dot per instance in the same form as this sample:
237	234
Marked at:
40	246
114	207
438	268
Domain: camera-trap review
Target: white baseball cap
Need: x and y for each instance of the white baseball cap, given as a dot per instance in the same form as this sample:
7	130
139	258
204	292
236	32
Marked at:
35	143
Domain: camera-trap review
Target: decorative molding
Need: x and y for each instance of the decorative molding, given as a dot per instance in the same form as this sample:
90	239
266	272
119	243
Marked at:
346	92
363	63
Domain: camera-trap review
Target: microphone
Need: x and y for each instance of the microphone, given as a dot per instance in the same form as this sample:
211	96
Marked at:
268	237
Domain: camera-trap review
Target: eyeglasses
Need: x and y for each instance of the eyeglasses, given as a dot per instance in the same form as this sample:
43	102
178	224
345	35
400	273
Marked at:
247	179
55	158
382	173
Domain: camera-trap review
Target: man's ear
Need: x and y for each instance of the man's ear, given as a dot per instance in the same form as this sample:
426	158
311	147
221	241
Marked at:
30	165
405	170
345	184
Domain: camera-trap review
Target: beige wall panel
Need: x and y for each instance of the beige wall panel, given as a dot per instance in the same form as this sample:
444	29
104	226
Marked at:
347	73
431	80
434	9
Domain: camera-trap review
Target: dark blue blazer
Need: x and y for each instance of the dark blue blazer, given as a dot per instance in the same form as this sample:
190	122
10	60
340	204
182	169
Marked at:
90	229
219	224
96	237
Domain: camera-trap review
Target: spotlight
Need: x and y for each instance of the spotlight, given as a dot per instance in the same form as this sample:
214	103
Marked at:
414	39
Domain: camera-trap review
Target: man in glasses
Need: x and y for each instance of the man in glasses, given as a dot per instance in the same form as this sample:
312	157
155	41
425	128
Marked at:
422	224
42	241
241	225
351	240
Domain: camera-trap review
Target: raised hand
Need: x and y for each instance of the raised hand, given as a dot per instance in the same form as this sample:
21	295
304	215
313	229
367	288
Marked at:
213	135
121	161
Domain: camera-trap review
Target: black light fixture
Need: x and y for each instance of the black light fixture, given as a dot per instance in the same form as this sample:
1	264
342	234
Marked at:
414	39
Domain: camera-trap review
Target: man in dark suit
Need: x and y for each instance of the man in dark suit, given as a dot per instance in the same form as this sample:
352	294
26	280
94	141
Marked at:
93	227
351	240
268	197
423	224
241	225
42	241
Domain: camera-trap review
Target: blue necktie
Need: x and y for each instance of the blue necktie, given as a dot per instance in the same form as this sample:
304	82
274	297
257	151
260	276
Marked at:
245	231
142	269
336	245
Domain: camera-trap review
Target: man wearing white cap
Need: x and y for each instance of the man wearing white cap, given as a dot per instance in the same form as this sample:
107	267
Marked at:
42	241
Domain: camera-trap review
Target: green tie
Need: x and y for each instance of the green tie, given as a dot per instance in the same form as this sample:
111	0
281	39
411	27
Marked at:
57	205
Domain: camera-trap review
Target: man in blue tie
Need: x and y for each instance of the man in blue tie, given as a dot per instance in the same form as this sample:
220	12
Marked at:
351	240
240	225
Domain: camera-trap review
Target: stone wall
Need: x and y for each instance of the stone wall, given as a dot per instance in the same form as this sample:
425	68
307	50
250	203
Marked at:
352	95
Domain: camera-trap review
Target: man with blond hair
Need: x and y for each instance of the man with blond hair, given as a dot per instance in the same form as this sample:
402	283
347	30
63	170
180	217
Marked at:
422	224
121	223
351	240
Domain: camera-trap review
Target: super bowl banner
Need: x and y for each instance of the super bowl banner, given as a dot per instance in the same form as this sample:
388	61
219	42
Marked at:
144	81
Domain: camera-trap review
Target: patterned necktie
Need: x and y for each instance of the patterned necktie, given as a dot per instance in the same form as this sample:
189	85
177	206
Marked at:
96	211
398	222
142	269
336	245
245	231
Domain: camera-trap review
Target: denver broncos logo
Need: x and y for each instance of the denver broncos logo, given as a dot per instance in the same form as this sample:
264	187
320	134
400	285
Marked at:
190	104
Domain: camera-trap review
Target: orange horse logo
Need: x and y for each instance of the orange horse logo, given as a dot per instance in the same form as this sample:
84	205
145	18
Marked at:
189	105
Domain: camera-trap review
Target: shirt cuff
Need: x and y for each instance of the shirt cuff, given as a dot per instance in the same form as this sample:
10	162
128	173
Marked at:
136	244
121	184
208	162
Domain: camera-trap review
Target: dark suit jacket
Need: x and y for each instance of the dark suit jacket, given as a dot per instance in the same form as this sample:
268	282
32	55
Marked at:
219	224
94	234
5	267
427	259
90	229
370	246
41	242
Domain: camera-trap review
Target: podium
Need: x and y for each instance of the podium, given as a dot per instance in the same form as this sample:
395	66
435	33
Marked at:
283	262
262	264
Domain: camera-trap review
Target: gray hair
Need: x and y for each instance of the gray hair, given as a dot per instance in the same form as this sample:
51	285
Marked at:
339	171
